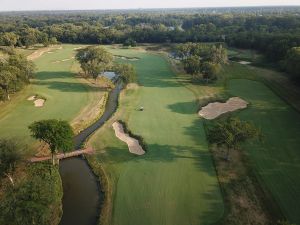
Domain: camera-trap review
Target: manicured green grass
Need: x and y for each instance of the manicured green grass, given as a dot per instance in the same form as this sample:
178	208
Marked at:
277	159
175	181
65	96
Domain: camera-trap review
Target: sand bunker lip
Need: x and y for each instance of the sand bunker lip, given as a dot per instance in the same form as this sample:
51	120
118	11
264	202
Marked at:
31	98
214	110
133	144
39	102
244	62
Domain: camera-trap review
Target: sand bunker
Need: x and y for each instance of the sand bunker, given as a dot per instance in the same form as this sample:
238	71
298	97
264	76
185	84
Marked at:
39	102
126	58
244	62
31	98
133	144
213	110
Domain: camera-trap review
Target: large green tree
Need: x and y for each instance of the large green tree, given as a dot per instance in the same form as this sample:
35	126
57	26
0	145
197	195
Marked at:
9	39
57	134
15	71
94	60
6	78
192	65
231	132
292	62
126	72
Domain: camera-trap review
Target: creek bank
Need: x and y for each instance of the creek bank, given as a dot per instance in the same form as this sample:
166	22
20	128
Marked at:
81	187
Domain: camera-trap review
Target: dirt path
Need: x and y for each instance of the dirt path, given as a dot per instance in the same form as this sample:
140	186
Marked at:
38	53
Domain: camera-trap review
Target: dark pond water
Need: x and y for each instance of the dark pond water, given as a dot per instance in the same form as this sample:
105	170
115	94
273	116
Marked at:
82	196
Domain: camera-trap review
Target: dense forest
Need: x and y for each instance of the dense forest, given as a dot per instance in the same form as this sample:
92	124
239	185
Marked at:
273	31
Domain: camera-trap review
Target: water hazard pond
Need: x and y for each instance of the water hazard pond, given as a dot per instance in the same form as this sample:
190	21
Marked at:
82	196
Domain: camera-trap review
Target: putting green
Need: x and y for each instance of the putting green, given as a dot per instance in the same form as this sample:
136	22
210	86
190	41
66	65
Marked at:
175	181
65	96
277	158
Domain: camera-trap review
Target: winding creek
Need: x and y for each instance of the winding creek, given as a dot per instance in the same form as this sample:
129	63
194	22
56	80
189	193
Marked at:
82	196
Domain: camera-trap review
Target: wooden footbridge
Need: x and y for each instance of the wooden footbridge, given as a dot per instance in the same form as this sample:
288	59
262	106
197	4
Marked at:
87	151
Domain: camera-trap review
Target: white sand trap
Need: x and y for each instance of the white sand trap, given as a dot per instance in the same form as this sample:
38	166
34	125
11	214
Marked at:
31	98
213	110
244	62
39	102
133	59
133	144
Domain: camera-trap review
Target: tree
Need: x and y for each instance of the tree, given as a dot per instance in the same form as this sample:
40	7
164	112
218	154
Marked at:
9	39
231	133
9	157
126	72
210	70
14	71
192	65
94	60
57	134
292	62
6	77
217	55
129	43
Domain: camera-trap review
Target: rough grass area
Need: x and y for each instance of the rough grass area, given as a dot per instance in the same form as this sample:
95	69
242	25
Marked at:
245	201
277	160
66	96
175	181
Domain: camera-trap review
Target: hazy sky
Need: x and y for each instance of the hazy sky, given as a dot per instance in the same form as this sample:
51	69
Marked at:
7	5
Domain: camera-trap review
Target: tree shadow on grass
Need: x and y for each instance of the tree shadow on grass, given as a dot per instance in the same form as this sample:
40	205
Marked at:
184	107
67	86
47	75
161	153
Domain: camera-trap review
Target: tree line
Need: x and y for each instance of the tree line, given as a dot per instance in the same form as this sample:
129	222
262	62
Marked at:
272	31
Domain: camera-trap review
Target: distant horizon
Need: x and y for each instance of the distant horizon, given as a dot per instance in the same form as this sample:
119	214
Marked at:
128	9
87	5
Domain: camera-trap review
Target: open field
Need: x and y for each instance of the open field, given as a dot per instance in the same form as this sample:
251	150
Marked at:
66	96
175	181
277	159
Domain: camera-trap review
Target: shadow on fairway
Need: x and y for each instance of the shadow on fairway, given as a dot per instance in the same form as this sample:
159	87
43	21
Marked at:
184	107
161	153
46	75
67	86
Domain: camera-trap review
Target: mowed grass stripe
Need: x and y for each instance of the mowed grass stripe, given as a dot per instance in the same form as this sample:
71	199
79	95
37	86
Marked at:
277	159
175	182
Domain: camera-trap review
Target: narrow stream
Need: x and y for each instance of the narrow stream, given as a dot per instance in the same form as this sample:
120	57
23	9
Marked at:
82	196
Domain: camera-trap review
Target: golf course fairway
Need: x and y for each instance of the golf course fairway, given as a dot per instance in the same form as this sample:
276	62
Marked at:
276	159
175	181
65	95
